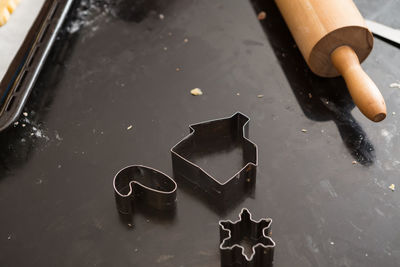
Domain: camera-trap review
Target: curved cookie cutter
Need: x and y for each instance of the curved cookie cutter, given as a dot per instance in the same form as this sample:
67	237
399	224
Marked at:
256	232
204	136
145	184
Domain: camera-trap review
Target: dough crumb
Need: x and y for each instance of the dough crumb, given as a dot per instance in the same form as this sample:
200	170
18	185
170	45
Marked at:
196	91
392	187
395	85
262	15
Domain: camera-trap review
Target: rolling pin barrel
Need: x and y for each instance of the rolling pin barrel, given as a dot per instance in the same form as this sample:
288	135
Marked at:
333	39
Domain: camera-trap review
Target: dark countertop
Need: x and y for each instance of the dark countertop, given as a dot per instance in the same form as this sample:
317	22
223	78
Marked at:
56	193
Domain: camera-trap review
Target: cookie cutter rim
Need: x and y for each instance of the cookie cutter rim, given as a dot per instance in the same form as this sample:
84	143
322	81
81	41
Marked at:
244	135
131	195
142	185
229	236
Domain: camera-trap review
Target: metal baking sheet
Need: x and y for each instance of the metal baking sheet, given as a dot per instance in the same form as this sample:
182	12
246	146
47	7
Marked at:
27	62
13	33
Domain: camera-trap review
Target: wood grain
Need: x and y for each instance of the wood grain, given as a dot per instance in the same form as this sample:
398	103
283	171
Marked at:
362	89
320	27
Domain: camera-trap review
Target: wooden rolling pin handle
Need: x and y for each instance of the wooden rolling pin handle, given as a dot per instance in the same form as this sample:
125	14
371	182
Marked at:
362	89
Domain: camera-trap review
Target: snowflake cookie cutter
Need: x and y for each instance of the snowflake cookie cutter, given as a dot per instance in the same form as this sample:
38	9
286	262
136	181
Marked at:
255	232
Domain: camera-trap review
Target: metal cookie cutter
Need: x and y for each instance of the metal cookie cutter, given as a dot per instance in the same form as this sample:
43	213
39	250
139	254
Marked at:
206	140
140	183
257	233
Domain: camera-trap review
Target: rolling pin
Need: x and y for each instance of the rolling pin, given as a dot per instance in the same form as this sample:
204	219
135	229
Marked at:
333	39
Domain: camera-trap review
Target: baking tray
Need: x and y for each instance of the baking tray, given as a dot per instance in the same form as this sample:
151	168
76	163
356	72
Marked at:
24	69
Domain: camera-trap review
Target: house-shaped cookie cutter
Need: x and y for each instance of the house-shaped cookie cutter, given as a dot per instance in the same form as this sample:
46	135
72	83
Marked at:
207	135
